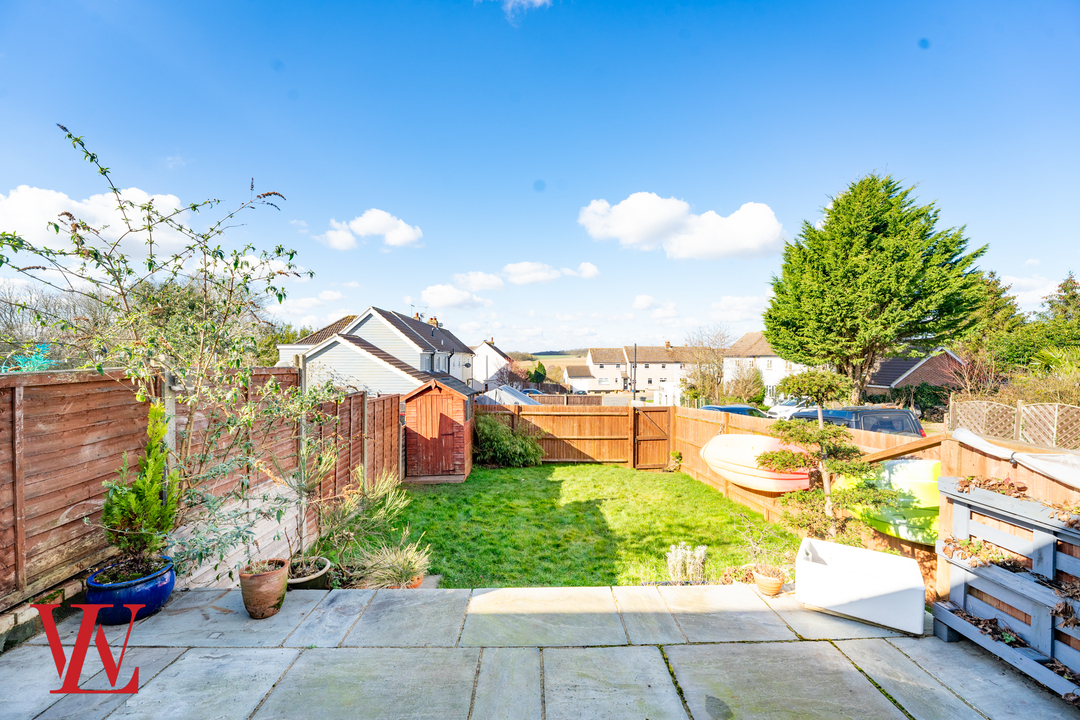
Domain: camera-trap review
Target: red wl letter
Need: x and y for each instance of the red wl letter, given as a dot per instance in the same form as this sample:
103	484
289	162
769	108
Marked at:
82	644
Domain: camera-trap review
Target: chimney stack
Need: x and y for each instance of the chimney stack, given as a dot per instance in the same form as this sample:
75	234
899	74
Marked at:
667	344
433	321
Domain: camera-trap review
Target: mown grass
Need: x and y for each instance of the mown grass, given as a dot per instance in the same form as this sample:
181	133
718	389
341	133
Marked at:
574	525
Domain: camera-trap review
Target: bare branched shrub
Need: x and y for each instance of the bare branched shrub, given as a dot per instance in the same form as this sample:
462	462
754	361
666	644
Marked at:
686	564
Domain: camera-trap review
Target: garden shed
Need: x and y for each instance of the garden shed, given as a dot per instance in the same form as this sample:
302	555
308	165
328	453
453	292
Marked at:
439	431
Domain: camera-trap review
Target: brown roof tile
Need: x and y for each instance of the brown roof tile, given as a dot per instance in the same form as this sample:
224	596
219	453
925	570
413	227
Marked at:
327	332
659	354
607	355
577	371
752	344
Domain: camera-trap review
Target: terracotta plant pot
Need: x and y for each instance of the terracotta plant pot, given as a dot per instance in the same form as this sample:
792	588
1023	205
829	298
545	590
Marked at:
416	582
767	585
318	580
264	592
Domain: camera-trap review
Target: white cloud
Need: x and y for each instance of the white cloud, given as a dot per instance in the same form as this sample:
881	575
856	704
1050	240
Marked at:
338	236
513	8
395	232
739	308
469	327
530	332
351	284
26	211
644	302
524	273
585	271
476	280
175	161
301	226
647	221
667	310
1030	291
448	296
337	315
1031	261
569	317
328	295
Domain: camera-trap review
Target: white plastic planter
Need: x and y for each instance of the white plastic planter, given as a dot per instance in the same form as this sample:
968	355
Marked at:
863	584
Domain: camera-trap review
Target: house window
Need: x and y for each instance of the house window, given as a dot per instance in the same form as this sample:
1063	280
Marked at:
768	364
616	366
601	366
603	381
646	366
650	381
663	365
663	380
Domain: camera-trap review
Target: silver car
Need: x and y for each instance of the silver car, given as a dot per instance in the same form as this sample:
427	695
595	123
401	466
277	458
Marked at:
784	410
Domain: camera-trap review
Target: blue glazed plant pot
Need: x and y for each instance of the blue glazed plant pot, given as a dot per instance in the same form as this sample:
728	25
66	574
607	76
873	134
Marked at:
152	591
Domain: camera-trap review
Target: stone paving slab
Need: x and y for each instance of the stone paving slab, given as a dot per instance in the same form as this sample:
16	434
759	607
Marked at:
27	677
610	683
410	618
149	661
225	683
801	680
646	616
375	684
68	630
817	625
911	686
724	613
331	620
542	617
224	623
508	687
994	688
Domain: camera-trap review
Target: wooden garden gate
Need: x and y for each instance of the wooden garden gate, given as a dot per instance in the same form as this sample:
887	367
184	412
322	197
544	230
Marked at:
652	438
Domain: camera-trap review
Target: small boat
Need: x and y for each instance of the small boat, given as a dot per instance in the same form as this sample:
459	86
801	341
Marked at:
734	458
863	584
915	515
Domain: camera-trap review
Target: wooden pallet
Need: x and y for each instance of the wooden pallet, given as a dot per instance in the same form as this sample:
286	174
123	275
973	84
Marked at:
1017	600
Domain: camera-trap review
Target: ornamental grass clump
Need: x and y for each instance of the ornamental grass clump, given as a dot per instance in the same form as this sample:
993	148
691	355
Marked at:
499	446
686	565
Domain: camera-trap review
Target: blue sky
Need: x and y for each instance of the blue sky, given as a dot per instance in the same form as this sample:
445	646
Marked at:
553	174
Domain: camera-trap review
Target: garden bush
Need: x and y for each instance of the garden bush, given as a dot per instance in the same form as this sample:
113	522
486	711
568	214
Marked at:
497	445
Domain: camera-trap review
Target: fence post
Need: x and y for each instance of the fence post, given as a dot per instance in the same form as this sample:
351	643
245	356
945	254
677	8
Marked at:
515	417
631	444
951	422
1018	419
17	485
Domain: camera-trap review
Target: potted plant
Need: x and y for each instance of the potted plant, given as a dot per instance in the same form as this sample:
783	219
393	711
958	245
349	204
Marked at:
401	565
768	578
262	585
315	461
137	516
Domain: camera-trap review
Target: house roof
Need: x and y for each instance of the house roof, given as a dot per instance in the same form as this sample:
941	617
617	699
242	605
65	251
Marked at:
577	371
327	332
386	358
892	369
659	354
752	344
429	337
491	345
607	355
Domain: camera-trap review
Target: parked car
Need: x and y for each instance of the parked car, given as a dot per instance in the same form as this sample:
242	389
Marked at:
580	392
895	421
784	410
532	391
736	410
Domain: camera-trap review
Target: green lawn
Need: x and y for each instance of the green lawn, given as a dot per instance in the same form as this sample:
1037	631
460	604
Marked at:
573	525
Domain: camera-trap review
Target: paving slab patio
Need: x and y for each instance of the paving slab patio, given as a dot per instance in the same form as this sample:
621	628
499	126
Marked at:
522	654
410	618
542	617
724	613
806	680
376	684
816	625
611	683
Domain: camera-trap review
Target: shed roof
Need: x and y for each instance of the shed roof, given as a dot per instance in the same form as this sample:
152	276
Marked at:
327	332
752	344
447	381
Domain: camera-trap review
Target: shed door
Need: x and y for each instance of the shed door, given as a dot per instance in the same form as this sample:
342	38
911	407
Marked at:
435	428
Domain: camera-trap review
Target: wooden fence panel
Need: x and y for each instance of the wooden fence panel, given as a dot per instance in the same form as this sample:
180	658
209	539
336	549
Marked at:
382	437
